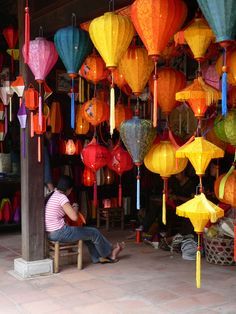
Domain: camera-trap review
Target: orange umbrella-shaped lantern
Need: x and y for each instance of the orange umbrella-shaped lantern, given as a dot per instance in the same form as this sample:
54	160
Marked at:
111	34
200	152
156	21
199	210
169	80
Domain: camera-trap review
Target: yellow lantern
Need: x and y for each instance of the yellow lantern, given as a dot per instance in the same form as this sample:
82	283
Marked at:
82	125
136	68
111	35
199	210
161	159
198	36
200	152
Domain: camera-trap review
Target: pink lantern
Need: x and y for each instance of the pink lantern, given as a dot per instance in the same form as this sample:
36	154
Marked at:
42	58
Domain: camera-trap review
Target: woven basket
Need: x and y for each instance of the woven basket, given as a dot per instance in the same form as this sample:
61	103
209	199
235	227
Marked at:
219	250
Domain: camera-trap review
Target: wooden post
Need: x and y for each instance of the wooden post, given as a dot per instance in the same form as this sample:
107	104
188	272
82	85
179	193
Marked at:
32	174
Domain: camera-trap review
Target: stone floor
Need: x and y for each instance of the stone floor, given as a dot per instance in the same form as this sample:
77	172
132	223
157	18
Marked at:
145	280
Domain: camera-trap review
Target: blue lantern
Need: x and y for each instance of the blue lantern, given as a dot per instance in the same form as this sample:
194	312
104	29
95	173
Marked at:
137	135
221	16
73	45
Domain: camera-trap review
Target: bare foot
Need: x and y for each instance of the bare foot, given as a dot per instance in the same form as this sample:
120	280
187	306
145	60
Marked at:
116	251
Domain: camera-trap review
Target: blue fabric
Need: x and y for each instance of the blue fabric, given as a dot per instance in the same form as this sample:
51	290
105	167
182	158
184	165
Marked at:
224	93
97	244
73	45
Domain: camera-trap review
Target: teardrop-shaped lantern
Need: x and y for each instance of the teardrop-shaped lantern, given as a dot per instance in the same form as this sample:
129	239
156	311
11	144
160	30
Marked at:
70	147
82	125
169	80
111	35
136	68
156	21
73	45
88	177
122	113
137	135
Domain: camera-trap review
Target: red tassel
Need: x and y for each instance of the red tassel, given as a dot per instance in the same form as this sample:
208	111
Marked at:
120	196
27	32
155	97
95	198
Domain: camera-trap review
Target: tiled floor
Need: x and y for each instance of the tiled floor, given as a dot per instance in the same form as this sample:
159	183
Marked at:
145	280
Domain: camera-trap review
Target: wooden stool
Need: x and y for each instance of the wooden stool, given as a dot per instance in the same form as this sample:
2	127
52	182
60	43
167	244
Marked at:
58	249
110	215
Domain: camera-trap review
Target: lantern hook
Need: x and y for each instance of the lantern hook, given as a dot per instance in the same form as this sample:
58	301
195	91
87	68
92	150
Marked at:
111	5
73	19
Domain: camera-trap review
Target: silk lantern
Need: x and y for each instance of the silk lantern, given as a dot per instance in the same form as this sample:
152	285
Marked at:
169	80
230	127
95	156
120	162
42	58
88	177
210	75
73	45
199	152
11	35
136	68
122	113
156	21
82	125
199	210
5	99
120	81
56	120
221	16
219	128
39	130
2	111
22	117
161	159
70	147
198	36
111	35
95	111
137	136
109	176
230	66
31	102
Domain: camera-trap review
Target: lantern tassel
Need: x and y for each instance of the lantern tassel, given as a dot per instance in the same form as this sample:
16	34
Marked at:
72	104
120	196
164	208
224	85
27	32
39	149
198	264
155	97
95	197
112	106
31	124
10	109
138	190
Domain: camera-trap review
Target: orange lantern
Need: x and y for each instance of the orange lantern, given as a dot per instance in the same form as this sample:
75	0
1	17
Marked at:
122	113
169	80
31	102
88	177
136	68
39	130
232	97
120	81
225	189
82	125
56	117
93	69
156	21
70	147
95	111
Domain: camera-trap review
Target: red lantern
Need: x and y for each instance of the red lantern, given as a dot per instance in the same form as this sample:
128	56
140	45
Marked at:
11	36
88	177
31	102
95	156
39	130
2	111
120	162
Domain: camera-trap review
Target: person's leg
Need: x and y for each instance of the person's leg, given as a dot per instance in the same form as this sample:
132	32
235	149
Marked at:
97	244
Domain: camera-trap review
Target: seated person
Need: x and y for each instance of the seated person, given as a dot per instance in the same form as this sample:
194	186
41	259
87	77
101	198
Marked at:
57	207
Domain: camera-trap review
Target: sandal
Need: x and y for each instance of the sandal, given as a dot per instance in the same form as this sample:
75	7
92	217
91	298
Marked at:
107	260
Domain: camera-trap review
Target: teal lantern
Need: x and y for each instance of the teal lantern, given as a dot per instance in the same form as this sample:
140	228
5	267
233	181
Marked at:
73	45
137	135
221	16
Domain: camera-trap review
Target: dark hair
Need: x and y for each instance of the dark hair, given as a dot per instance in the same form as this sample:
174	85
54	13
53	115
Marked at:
65	183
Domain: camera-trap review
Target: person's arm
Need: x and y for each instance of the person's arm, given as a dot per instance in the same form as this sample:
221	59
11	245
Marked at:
70	211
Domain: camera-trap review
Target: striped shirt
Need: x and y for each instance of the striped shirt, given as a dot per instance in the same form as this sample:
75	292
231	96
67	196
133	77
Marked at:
54	213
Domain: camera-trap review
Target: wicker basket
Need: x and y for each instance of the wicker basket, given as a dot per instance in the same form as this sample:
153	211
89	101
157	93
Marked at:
219	250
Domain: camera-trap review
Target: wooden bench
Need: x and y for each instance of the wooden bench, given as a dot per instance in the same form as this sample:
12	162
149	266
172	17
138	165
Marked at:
58	249
110	215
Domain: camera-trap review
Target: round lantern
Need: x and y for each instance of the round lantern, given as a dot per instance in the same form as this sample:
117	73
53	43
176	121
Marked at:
95	111
120	81
82	125
225	187
70	147
122	113
156	21
136	68
93	69
161	159
169	80
88	177
230	127
219	128
95	156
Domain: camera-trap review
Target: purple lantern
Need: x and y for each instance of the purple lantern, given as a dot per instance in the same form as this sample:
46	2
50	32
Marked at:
22	116
42	58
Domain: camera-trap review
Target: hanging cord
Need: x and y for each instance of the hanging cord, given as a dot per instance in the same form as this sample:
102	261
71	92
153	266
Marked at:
27	32
111	5
73	19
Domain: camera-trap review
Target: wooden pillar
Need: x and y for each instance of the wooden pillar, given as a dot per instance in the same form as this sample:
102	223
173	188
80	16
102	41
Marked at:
32	175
